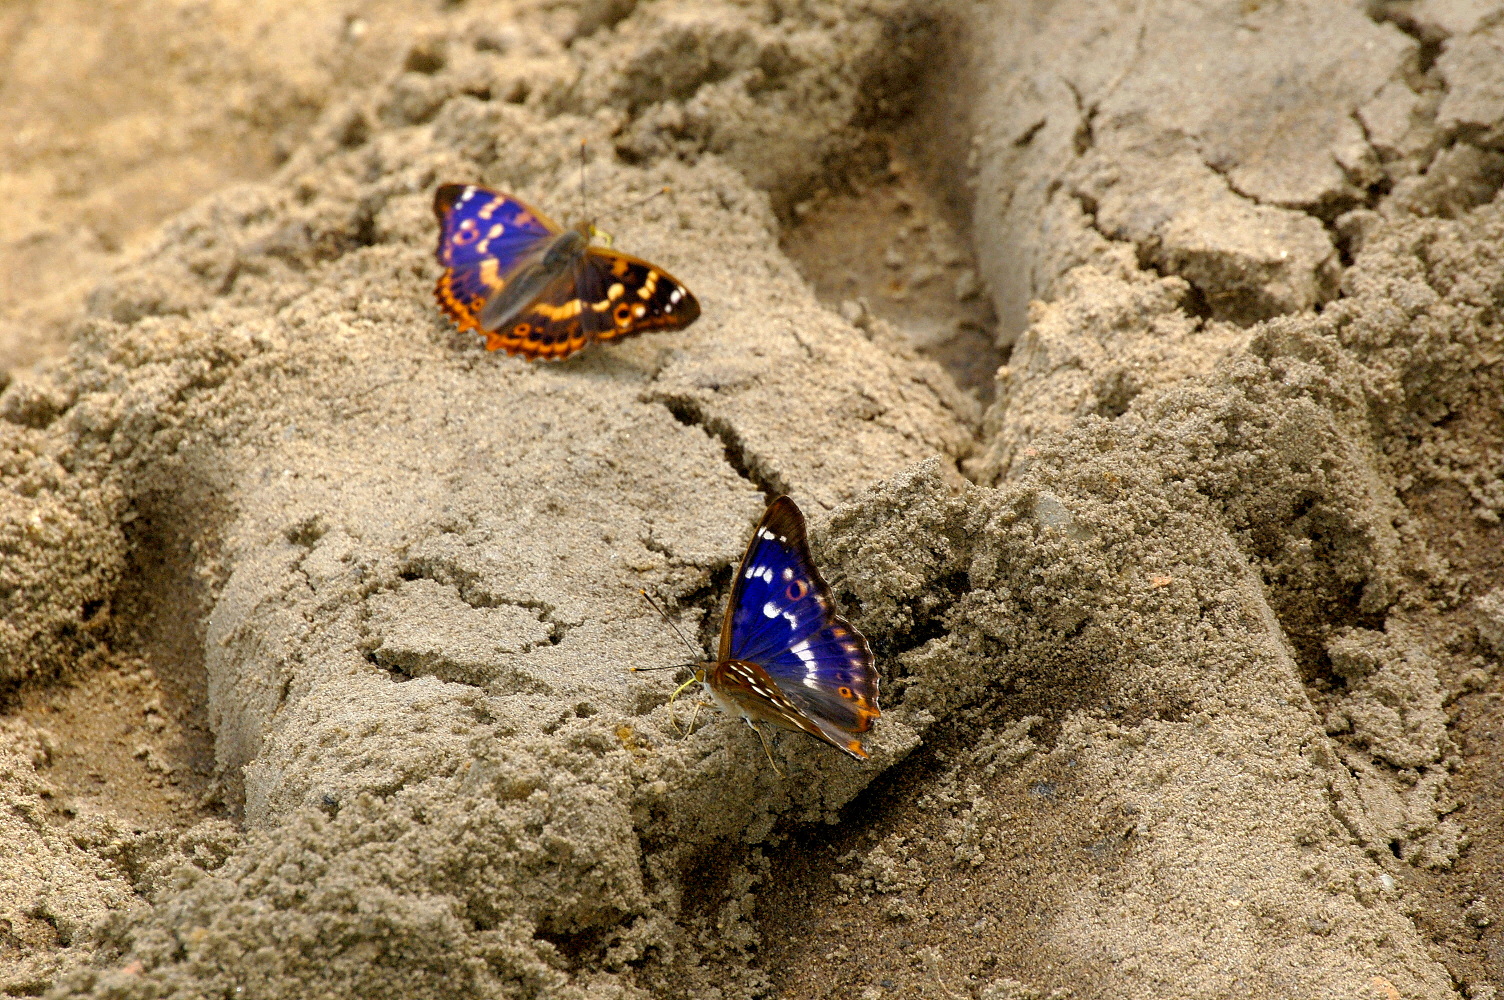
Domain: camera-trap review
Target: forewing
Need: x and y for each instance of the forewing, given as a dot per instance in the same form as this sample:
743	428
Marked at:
777	595
781	617
483	235
628	296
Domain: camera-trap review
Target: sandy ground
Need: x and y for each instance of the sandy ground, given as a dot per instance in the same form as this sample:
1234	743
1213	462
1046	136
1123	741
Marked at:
1138	365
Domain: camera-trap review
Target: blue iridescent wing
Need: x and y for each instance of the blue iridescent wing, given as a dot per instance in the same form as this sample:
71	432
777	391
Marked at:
483	236
777	600
782	619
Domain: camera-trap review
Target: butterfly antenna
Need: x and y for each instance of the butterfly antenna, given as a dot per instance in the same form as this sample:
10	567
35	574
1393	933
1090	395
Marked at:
666	666
639	202
584	201
655	606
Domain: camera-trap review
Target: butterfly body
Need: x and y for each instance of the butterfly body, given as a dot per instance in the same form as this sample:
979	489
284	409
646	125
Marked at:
785	656
533	288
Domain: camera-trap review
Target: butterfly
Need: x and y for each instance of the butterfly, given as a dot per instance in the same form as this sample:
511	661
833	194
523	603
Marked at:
532	288
785	656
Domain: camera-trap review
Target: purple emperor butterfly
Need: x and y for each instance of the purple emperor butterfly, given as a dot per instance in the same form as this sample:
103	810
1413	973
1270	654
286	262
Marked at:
534	289
786	657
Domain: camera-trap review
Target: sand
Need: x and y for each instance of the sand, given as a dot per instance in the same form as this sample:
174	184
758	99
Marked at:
1137	367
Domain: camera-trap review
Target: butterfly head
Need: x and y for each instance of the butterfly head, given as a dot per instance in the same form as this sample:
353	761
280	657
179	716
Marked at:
595	234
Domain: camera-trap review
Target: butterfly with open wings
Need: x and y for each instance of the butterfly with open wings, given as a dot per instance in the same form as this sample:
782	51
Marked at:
533	288
785	656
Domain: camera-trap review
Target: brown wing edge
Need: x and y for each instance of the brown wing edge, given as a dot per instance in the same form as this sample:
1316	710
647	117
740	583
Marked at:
444	197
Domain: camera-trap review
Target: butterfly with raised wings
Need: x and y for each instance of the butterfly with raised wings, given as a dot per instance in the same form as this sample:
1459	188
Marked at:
785	656
533	288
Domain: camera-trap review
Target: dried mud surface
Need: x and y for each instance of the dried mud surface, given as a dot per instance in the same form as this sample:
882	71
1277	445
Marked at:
1138	365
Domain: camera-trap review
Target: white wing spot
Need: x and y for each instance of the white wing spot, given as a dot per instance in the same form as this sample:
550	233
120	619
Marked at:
788	574
678	293
770	609
792	619
811	662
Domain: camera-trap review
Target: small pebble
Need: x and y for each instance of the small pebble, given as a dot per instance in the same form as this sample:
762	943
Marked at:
922	274
1474	680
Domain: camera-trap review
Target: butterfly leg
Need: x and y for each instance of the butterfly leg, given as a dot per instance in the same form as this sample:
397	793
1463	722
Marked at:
694	715
674	697
766	748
